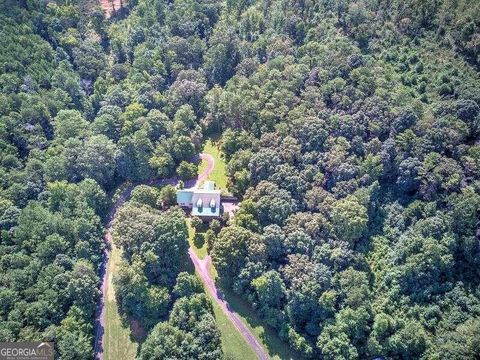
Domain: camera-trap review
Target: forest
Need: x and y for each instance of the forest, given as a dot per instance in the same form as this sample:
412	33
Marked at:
351	134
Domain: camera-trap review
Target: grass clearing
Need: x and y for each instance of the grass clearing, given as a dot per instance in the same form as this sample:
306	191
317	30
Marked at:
118	343
234	345
200	249
219	173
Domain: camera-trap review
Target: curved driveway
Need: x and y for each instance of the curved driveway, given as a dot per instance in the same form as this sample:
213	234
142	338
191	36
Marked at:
201	266
204	175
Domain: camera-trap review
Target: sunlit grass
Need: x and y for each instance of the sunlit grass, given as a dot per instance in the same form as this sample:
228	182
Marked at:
219	173
234	345
201	251
117	340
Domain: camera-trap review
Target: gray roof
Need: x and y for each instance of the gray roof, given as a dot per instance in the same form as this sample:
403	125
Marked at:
206	203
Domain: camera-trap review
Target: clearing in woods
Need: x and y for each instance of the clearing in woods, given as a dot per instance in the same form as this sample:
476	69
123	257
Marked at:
118	343
276	348
109	6
233	344
219	173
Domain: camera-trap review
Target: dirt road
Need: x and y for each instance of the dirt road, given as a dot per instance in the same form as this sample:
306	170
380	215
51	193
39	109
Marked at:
210	166
100	320
201	267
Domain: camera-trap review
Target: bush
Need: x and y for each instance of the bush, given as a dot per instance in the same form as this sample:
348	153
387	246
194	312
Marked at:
187	170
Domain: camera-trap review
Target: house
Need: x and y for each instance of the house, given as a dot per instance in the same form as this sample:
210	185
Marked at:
205	202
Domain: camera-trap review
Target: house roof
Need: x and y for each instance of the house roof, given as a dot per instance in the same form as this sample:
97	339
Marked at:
209	185
184	196
206	203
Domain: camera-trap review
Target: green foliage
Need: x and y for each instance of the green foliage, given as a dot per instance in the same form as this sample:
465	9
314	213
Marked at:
187	285
233	247
137	297
350	146
55	250
146	195
461	342
196	222
351	135
349	219
73	125
167	340
167	196
160	239
186	170
335	344
270	289
74	338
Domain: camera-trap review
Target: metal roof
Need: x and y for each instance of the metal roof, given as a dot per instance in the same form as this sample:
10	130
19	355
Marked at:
206	203
209	185
184	196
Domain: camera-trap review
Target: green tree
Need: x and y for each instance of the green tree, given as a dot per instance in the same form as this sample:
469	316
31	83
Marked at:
335	344
144	194
160	238
134	154
166	341
349	219
70	124
187	285
73	339
168	196
187	170
232	249
97	160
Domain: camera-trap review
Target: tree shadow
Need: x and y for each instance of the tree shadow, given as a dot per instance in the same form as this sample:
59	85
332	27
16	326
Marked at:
187	266
137	332
203	227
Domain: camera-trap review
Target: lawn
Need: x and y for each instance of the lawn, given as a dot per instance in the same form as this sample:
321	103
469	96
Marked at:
219	173
267	336
200	249
117	341
234	345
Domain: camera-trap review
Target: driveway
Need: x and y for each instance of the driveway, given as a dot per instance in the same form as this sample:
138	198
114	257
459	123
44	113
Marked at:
201	266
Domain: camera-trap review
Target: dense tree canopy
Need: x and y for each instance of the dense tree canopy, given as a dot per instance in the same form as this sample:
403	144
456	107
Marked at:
349	131
73	126
351	134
